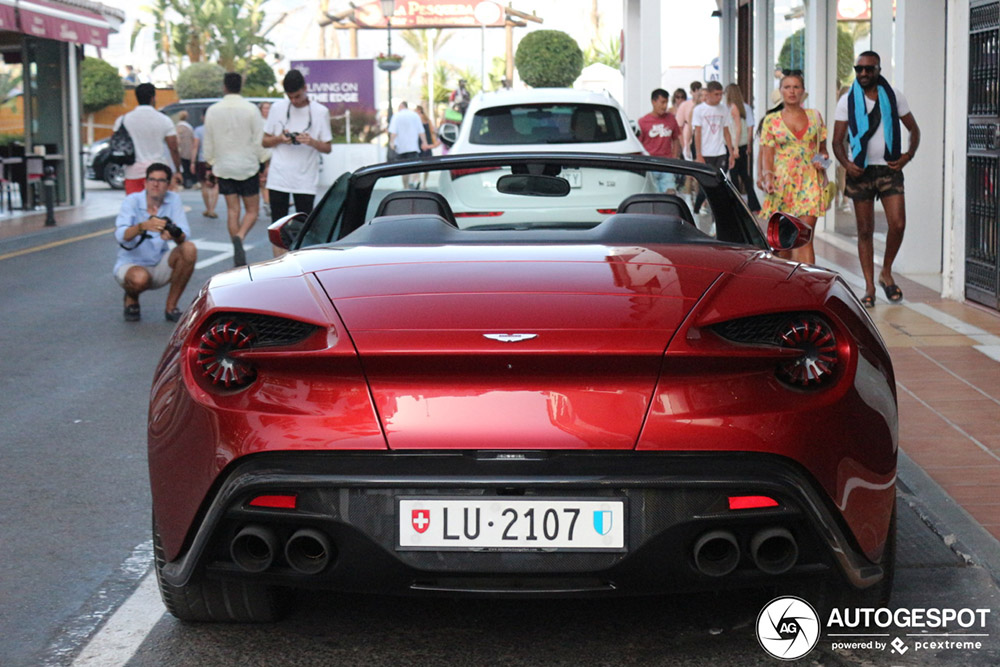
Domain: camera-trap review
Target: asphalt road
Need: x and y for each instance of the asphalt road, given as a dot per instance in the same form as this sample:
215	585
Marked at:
74	525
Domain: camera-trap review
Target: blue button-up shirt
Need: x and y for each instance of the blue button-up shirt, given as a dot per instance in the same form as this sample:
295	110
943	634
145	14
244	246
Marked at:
133	211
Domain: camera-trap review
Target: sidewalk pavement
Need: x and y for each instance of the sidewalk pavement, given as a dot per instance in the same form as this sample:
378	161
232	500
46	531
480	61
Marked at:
946	356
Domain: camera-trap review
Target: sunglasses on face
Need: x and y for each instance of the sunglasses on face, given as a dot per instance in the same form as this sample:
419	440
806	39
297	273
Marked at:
791	72
862	69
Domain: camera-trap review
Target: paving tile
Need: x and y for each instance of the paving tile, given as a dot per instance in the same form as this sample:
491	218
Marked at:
982	476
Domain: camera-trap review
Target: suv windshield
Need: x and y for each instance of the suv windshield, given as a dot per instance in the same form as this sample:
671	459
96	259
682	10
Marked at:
547	124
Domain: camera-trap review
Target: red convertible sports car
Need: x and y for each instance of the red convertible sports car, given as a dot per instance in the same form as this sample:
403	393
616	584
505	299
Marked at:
554	381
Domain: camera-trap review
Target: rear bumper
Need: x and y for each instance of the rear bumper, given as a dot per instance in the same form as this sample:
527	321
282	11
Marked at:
671	500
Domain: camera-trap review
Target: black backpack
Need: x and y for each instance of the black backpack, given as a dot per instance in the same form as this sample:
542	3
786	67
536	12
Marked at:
122	148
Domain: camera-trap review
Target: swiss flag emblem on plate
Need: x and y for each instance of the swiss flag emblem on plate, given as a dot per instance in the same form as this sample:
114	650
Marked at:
421	520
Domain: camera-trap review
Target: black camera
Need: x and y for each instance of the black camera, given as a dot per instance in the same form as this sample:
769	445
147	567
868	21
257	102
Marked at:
294	136
172	229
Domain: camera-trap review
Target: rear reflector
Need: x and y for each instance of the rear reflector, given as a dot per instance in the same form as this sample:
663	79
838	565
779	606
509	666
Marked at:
277	502
607	211
478	214
751	502
458	173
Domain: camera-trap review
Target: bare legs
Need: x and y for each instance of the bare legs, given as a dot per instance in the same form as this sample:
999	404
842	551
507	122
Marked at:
805	254
239	228
209	195
895	213
181	261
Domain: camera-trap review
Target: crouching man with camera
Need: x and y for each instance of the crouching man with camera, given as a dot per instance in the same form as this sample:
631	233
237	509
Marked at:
297	130
149	221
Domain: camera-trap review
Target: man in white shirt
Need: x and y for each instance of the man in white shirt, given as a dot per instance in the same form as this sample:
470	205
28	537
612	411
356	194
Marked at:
406	136
234	131
297	130
712	141
870	117
151	132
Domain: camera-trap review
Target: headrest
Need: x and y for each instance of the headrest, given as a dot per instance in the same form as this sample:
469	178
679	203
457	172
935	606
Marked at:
657	204
416	202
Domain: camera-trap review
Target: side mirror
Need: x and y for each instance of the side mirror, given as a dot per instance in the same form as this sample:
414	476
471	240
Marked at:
448	134
635	127
282	232
785	232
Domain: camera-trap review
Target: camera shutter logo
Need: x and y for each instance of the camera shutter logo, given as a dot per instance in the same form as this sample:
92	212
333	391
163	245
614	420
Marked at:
788	628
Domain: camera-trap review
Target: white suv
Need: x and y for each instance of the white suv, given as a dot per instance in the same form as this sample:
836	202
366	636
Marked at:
545	119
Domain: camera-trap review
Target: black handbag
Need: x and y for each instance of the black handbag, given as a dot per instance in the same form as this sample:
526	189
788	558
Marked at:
121	146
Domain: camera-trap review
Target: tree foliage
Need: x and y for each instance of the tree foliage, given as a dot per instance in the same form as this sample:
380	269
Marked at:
258	77
793	53
206	30
548	58
420	41
100	85
609	53
200	80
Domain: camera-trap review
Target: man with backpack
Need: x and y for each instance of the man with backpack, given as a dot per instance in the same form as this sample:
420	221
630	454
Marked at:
147	129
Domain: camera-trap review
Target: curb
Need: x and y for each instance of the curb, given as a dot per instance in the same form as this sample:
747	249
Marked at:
948	520
57	233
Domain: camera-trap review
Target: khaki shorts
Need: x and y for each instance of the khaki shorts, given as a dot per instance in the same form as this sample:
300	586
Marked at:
159	275
878	181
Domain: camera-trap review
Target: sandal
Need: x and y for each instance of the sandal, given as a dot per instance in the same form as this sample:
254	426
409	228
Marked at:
132	313
210	214
172	315
892	292
868	301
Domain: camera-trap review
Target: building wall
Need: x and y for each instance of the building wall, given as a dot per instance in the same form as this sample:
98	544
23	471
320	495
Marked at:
920	57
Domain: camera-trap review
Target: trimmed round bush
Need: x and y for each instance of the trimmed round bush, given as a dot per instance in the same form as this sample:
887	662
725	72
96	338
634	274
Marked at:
548	59
200	80
100	85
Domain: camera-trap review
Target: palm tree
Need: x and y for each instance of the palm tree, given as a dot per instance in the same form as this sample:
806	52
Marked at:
419	41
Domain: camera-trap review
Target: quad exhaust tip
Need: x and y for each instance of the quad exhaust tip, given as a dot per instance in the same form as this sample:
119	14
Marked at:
774	550
253	548
716	553
308	551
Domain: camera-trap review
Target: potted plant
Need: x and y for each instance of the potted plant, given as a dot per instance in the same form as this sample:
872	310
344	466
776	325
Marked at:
390	62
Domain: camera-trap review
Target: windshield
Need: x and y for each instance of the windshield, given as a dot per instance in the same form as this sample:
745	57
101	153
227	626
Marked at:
550	197
547	124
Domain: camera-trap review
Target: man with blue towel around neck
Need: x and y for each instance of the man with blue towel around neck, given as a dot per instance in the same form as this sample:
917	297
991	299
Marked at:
869	117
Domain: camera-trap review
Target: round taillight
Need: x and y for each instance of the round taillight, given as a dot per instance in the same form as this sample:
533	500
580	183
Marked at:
818	361
215	354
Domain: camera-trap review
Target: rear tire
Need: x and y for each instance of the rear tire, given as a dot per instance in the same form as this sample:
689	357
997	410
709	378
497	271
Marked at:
114	175
838	594
217	601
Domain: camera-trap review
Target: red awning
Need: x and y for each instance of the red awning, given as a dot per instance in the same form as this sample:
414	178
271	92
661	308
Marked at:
8	20
65	23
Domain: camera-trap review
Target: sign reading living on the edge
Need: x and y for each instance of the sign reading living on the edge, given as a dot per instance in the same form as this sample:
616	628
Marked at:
340	84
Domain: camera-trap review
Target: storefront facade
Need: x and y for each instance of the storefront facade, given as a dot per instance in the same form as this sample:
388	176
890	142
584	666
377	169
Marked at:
941	54
41	42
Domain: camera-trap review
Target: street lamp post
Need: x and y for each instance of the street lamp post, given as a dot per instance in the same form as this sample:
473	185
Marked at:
388	9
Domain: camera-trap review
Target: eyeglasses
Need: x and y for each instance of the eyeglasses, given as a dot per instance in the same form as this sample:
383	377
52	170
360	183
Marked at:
791	72
861	69
157	180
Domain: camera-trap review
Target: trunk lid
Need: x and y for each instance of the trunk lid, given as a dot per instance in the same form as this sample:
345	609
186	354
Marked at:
520	347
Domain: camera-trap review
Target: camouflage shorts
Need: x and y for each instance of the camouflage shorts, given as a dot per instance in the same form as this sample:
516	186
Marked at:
878	181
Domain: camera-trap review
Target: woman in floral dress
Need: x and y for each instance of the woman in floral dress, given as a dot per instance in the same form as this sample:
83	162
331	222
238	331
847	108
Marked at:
791	138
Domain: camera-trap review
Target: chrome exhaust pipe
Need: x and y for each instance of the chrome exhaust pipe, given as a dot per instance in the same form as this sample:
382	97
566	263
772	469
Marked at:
774	550
716	553
308	551
253	548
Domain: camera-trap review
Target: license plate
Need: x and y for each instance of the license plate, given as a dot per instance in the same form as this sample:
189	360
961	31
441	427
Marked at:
574	176
460	524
